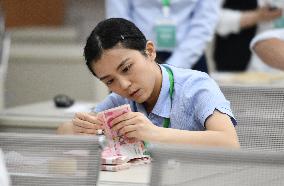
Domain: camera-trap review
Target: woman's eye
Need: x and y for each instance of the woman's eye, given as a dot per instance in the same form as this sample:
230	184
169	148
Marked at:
109	82
126	69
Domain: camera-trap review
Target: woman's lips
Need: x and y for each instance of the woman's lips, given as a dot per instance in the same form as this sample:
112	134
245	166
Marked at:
135	93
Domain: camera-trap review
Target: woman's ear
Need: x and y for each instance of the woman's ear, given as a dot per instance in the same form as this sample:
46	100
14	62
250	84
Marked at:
151	50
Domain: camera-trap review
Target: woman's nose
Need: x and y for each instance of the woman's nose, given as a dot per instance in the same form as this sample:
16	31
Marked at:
125	83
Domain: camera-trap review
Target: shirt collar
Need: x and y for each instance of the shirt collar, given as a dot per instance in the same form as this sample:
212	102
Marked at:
163	106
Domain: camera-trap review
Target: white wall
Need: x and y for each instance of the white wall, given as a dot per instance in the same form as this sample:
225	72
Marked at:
46	62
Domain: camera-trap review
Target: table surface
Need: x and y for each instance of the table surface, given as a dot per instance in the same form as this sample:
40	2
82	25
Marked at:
136	175
249	78
42	114
47	114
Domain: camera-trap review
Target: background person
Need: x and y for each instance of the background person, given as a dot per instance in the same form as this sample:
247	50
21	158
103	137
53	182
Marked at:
194	23
269	47
238	25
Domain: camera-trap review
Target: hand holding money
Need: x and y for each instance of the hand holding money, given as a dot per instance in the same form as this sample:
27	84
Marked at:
86	123
135	125
120	144
121	151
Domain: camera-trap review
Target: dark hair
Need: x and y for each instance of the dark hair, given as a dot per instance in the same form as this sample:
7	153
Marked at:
108	34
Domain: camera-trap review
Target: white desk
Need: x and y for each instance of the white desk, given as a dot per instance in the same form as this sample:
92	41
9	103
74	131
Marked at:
135	176
39	71
248	78
42	117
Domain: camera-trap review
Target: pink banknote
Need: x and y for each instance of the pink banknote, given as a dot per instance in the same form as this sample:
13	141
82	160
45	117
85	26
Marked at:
111	114
114	140
119	145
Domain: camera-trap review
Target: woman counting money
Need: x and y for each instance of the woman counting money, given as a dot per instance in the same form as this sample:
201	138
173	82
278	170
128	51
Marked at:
168	104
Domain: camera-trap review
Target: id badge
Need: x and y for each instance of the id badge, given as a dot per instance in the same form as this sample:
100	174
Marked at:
165	35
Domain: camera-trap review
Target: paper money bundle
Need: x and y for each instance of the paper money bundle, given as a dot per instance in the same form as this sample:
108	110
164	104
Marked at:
121	152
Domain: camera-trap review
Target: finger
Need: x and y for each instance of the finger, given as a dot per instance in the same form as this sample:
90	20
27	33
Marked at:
126	129
98	118
88	117
80	115
86	124
121	118
82	123
134	120
131	135
79	130
122	124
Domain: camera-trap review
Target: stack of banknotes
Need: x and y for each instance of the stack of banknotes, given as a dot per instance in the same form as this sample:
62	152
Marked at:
121	152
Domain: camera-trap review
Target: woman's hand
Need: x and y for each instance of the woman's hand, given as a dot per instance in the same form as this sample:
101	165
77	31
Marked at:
259	15
86	123
266	14
135	125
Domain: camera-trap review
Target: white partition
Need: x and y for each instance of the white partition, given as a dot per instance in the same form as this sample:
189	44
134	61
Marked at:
42	117
4	58
38	72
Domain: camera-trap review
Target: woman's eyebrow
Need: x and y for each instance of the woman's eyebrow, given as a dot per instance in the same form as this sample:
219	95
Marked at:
104	77
122	63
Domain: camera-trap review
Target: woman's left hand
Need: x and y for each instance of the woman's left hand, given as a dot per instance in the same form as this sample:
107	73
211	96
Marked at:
135	125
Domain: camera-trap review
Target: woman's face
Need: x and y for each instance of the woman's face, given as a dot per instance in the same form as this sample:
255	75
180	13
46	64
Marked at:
128	73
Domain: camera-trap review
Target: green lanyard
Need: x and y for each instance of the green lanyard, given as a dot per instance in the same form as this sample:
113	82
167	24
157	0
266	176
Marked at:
166	2
167	121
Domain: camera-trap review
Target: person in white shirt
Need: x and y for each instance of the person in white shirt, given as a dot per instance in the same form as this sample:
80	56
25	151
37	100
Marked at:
233	21
194	22
239	22
269	47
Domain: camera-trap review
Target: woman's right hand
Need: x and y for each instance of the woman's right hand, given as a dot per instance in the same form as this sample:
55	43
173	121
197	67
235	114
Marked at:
86	123
267	14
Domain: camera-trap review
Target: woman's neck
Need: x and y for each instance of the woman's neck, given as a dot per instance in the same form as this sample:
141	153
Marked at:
151	102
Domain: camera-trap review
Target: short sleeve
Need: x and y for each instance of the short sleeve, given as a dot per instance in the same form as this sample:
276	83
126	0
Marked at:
229	22
276	33
206	97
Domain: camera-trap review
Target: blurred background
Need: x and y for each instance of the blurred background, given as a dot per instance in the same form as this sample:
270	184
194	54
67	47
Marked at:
41	57
46	51
45	56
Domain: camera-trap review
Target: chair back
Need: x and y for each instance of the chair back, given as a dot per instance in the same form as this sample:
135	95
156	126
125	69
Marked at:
41	159
186	165
260	161
260	115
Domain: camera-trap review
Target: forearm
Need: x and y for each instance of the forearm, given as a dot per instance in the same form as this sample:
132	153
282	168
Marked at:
203	138
262	14
271	52
249	19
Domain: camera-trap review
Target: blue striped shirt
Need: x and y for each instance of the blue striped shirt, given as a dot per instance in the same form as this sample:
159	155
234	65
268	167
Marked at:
195	98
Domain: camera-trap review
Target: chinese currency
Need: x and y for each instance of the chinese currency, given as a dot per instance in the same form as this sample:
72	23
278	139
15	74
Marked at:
121	152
